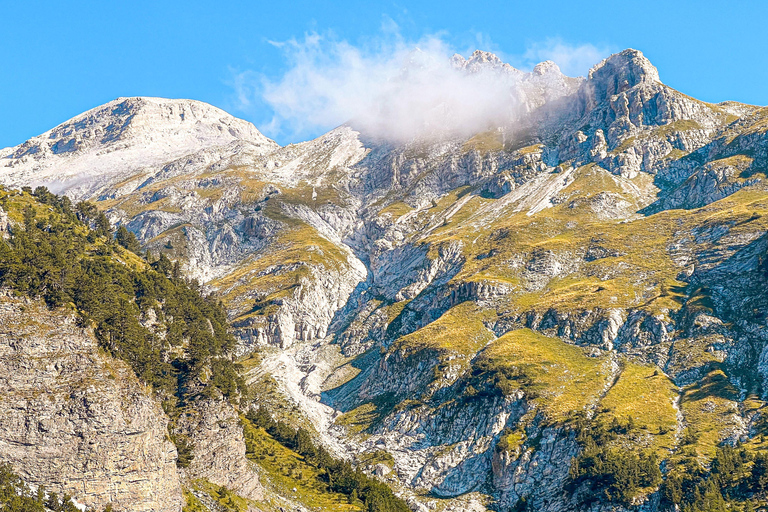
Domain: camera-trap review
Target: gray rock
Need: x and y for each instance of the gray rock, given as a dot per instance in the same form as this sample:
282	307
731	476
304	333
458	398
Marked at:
77	421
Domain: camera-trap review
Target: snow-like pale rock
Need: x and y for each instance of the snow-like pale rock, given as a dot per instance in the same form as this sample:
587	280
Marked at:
125	138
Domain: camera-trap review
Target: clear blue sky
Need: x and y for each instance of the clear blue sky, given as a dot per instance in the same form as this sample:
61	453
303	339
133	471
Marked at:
62	58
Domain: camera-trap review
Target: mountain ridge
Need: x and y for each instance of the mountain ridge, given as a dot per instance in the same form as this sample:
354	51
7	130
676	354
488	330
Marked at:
483	313
145	131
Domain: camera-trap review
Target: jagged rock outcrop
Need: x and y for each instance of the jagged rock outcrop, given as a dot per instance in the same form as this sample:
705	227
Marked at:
628	121
536	475
219	448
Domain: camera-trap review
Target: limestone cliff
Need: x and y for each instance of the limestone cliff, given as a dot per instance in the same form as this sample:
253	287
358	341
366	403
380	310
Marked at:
77	421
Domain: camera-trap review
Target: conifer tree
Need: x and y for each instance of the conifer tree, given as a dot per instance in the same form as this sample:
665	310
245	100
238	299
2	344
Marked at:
127	239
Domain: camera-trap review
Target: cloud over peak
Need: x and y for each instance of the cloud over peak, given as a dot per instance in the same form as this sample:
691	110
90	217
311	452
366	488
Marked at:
396	90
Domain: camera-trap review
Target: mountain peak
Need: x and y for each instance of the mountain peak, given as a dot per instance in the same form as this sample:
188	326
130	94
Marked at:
484	57
624	70
121	138
545	67
481	60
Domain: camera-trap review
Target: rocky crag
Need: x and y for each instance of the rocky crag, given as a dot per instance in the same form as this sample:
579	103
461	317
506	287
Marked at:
77	421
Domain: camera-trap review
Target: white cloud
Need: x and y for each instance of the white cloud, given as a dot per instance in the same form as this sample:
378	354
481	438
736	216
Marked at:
573	60
389	88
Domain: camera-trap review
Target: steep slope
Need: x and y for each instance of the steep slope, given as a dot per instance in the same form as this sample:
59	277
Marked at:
76	421
119	388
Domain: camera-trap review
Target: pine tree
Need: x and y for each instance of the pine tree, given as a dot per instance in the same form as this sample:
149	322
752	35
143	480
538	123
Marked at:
760	472
672	491
103	227
304	444
86	211
29	218
127	239
163	265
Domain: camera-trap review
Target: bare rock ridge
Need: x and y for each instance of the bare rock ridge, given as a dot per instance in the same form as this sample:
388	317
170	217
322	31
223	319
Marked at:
620	72
447	306
219	452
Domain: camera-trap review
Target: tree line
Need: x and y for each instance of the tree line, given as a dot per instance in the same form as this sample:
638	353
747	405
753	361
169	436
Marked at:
732	482
611	473
735	478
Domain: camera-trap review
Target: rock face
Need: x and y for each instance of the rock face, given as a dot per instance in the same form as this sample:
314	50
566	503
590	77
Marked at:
219	448
77	421
538	473
451	302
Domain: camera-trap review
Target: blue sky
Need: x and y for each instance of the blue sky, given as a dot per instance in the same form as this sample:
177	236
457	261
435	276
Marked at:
62	58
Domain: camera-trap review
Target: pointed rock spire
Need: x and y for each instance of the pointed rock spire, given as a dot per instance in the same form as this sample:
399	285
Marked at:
621	71
545	67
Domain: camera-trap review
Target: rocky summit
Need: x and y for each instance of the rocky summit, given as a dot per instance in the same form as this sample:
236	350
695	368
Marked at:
566	311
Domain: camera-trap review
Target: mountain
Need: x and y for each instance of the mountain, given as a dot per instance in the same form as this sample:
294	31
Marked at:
126	141
565	311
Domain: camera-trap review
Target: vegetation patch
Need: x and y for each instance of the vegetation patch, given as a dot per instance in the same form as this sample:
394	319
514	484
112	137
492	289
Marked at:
557	377
396	209
308	473
709	406
360	418
460	330
485	142
735	480
646	395
612	473
192	503
225	500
